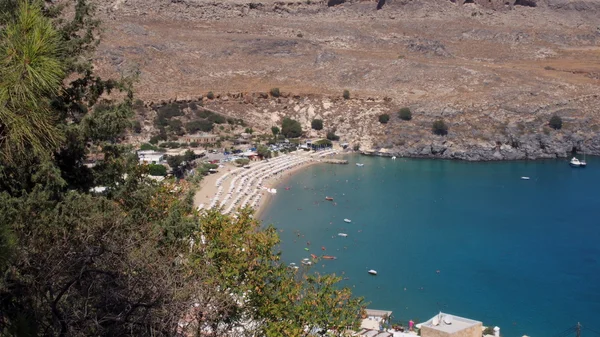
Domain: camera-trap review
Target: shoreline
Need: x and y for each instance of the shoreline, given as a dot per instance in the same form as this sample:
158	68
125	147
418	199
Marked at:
253	185
276	181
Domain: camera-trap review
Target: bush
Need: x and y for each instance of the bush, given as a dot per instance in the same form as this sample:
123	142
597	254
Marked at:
199	125
440	128
275	92
555	122
242	161
194	144
384	118
405	114
346	94
137	127
155	139
148	147
169	111
332	136
157	170
193	106
210	95
217	119
356	147
263	151
291	128
317	124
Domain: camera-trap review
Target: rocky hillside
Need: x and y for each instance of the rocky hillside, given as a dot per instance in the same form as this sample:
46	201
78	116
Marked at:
495	72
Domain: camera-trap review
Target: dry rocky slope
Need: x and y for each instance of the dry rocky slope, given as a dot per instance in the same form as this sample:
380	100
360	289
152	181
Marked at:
495	72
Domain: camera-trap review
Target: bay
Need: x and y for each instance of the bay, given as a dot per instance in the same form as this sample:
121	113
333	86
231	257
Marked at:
469	239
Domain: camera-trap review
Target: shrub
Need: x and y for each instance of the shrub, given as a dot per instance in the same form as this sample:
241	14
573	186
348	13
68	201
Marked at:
199	125
249	130
194	144
157	170
291	128
317	124
169	111
148	147
203	113
137	127
405	114
193	106
275	92
555	122
384	118
440	128
275	130
242	161
263	151
155	139
210	95
332	136
356	147
346	94
176	127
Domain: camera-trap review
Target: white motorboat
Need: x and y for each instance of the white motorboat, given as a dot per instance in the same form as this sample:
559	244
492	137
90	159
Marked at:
347	220
575	162
342	234
394	158
306	263
360	165
525	178
372	272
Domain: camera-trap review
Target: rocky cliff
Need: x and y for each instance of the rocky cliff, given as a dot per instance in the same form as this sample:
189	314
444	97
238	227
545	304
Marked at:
495	72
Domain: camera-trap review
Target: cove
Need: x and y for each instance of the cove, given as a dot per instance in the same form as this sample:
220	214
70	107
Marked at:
519	254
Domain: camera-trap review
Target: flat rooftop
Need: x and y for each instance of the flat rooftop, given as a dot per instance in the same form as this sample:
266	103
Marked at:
457	323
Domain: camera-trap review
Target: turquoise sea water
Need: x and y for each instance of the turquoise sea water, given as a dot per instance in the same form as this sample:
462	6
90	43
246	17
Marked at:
523	255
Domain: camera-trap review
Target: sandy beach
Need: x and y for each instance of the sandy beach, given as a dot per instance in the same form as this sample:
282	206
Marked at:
233	187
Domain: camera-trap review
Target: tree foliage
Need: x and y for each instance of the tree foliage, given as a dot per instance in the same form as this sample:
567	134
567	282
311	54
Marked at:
555	122
137	260
439	128
291	128
405	114
384	118
317	124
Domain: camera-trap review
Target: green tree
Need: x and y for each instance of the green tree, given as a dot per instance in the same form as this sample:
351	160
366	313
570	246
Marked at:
275	130
157	170
291	128
555	122
440	128
31	72
317	124
384	118
332	136
199	125
405	114
263	151
210	95
346	94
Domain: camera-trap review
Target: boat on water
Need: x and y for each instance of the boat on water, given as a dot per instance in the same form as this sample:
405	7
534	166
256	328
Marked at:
342	234
329	198
525	178
575	162
359	164
313	256
347	220
329	257
372	272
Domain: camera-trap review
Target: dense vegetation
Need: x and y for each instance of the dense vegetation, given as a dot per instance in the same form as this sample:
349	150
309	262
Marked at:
136	260
291	128
317	124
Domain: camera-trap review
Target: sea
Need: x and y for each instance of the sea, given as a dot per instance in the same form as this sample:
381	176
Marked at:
470	239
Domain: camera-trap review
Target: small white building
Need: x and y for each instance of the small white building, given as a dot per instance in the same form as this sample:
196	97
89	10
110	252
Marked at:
445	325
150	157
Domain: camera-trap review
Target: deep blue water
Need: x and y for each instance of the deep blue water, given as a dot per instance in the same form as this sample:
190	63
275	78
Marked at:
523	255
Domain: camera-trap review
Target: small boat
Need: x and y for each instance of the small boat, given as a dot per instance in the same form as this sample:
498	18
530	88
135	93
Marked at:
372	272
313	256
394	158
342	234
329	198
575	162
306	262
306	249
525	178
360	165
347	220
329	257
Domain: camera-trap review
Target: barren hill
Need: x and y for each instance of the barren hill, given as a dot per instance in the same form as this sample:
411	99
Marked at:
494	72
